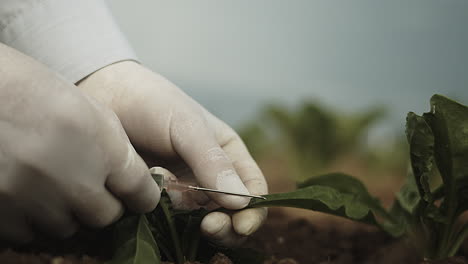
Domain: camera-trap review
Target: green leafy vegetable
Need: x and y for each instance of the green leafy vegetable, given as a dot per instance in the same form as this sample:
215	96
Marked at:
438	144
421	141
409	196
338	194
165	205
348	185
135	242
320	198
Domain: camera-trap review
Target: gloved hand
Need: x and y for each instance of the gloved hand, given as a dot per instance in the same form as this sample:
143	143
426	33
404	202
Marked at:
171	130
64	158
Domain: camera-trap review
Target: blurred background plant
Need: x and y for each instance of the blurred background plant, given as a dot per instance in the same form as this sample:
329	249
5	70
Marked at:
236	56
313	139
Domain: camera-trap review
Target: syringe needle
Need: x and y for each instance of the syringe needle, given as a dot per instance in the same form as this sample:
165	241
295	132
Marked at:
175	185
196	188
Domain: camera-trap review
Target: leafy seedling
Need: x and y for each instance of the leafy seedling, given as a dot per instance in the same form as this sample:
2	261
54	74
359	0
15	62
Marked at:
171	235
430	217
438	142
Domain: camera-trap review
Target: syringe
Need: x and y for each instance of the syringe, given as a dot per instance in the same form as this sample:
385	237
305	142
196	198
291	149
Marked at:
179	186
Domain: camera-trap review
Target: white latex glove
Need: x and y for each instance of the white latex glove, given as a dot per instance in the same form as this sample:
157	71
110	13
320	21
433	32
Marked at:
64	158
171	130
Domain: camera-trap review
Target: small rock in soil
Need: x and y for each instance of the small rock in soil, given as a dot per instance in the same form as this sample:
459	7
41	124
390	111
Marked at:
273	260
59	260
220	258
287	261
452	260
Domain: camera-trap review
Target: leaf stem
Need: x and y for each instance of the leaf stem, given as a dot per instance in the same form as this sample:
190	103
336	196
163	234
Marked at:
191	237
447	231
173	231
193	248
159	237
460	237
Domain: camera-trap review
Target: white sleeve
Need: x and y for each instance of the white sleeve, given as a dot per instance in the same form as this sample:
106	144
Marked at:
72	37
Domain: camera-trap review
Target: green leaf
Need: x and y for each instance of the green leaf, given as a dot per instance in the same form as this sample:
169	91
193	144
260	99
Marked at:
349	185
161	233
421	142
449	122
401	220
339	181
189	222
166	206
439	192
323	199
338	194
409	197
135	242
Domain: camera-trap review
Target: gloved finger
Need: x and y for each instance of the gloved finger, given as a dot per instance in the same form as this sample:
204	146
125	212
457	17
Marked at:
14	228
217	227
134	185
129	179
14	232
197	145
45	208
246	167
54	222
246	221
95	206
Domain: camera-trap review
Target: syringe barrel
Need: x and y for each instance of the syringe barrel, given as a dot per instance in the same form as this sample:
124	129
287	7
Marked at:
169	185
172	185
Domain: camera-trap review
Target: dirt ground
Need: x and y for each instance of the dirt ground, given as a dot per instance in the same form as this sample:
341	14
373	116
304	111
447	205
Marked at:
290	240
289	236
328	240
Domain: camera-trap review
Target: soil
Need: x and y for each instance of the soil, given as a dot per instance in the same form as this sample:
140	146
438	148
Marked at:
328	240
454	260
286	238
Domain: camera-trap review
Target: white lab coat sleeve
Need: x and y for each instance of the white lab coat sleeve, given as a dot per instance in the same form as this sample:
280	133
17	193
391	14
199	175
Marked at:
72	37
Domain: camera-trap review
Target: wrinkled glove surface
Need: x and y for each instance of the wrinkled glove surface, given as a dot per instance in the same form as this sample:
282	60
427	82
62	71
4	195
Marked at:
64	158
171	130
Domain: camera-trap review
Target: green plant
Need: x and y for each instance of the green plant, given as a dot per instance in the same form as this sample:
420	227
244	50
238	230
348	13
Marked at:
309	137
438	146
168	234
430	217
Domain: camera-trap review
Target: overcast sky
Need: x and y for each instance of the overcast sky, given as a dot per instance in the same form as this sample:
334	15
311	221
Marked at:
234	56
